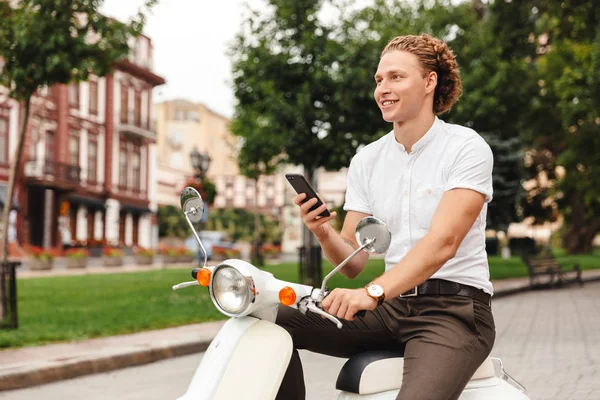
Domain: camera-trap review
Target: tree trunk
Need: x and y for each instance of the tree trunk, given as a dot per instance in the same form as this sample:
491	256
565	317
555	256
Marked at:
13	177
257	258
581	231
312	264
579	238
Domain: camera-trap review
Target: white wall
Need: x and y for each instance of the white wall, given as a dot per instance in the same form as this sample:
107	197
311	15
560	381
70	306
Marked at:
112	221
128	229
82	222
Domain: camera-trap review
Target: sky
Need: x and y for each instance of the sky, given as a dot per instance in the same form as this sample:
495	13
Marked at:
190	40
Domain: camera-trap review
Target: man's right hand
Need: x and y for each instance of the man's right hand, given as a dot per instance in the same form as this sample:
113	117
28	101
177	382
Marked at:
316	224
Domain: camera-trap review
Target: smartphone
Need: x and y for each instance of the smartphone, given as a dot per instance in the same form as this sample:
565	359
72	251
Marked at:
301	185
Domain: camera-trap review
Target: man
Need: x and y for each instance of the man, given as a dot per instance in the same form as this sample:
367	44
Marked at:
430	182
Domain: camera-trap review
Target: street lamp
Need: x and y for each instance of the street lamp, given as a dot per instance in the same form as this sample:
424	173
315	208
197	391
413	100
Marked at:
200	163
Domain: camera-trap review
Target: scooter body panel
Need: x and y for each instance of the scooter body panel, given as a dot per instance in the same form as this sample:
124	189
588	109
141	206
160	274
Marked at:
481	389
247	359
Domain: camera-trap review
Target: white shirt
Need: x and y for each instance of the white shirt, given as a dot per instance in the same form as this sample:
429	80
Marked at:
404	190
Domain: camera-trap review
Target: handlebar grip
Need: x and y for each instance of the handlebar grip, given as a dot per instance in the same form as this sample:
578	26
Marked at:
360	314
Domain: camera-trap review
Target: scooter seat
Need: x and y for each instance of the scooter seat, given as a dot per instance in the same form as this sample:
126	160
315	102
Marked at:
380	371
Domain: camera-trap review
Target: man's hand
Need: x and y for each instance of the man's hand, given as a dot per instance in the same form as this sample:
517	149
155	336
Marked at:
316	224
345	303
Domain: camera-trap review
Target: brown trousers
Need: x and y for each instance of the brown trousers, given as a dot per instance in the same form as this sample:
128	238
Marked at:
444	339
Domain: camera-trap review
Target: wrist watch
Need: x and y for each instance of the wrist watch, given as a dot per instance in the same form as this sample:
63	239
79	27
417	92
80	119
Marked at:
375	292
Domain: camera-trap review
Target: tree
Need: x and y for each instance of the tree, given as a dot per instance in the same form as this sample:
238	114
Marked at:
291	106
564	136
48	42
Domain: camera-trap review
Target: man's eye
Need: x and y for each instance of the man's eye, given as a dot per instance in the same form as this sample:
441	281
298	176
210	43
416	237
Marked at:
396	77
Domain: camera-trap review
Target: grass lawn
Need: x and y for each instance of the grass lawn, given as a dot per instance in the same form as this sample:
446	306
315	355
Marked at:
78	307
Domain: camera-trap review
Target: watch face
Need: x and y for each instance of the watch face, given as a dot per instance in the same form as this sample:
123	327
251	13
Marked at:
375	290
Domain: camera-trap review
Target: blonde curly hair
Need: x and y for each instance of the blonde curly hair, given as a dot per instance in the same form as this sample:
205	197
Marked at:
435	56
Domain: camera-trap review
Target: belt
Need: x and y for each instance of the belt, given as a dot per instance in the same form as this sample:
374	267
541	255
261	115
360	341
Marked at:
441	287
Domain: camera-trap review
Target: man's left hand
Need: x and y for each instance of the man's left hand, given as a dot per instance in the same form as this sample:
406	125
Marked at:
345	303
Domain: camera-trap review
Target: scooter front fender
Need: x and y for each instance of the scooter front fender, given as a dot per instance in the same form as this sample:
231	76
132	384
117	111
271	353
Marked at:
246	360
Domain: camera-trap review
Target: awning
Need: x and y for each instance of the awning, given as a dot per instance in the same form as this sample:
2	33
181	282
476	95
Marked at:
135	209
87	201
3	193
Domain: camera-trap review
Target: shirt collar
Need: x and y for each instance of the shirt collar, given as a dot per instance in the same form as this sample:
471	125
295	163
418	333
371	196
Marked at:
425	140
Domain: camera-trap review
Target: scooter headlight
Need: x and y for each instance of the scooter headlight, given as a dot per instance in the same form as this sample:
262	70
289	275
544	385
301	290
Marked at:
231	291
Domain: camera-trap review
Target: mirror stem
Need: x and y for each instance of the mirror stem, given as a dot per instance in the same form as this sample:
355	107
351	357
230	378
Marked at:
197	237
367	243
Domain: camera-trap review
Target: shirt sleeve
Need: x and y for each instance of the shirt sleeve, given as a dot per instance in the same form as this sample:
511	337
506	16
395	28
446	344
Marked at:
356	191
472	168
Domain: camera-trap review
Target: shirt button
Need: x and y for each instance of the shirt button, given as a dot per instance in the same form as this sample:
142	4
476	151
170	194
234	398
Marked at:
406	194
405	223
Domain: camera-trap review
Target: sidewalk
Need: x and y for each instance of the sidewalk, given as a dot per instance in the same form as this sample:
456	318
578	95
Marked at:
31	366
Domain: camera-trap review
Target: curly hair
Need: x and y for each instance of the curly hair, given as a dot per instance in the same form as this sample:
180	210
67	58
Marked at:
435	56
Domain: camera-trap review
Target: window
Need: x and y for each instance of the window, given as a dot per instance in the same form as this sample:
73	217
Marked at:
193	115
50	145
135	161
74	94
92	161
129	160
33	143
123	164
49	164
74	150
93	97
3	140
137	109
124	103
179	115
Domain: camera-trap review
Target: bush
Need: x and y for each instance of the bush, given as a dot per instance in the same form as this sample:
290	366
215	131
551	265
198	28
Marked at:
42	254
144	252
77	253
112	252
522	246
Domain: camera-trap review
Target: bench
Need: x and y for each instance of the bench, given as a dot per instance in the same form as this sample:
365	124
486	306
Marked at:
551	272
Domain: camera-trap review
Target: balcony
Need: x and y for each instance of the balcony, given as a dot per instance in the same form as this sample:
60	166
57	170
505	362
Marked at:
139	128
53	174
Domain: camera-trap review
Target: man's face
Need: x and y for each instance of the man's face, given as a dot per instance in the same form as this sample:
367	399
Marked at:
401	87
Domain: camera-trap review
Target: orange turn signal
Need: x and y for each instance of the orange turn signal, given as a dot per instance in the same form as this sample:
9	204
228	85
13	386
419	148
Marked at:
287	296
203	277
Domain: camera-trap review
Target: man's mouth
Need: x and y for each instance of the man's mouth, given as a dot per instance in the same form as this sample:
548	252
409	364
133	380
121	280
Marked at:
388	102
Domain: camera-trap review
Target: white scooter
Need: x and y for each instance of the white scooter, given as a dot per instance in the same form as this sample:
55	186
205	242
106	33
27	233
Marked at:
250	355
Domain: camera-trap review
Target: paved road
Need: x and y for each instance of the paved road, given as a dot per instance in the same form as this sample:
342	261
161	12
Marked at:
548	340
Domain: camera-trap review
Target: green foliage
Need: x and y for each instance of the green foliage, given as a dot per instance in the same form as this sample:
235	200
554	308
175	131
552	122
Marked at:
240	225
206	188
172	222
55	309
46	42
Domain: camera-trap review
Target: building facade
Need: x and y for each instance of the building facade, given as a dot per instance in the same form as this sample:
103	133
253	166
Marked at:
86	171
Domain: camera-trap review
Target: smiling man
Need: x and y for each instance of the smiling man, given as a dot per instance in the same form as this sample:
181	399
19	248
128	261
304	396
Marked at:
430	181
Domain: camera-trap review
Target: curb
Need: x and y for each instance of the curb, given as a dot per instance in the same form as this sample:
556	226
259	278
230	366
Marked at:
61	369
44	372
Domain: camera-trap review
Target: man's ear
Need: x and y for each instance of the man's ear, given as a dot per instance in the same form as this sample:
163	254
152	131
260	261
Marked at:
431	82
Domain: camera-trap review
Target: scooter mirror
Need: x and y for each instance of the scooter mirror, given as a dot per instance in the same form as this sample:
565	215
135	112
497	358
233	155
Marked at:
373	228
192	204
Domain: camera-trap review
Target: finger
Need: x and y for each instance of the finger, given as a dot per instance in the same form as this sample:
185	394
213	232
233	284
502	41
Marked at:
317	222
335	306
307	205
350	313
315	213
343	310
298	199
